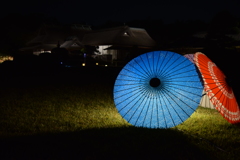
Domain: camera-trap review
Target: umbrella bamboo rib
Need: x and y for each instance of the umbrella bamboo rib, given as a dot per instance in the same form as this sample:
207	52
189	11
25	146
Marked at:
149	66
156	105
148	106
165	104
157	64
124	89
185	86
185	94
169	102
134	73
128	76
185	97
128	98
170	73
143	62
126	84
141	111
145	72
165	64
147	95
131	108
175	66
141	102
130	80
125	93
183	77
173	95
153	97
220	107
158	68
217	87
184	72
161	105
195	94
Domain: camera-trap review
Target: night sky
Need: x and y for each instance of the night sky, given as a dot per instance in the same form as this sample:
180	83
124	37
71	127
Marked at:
98	12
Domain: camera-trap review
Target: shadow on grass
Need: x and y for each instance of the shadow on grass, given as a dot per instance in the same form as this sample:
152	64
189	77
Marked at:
110	143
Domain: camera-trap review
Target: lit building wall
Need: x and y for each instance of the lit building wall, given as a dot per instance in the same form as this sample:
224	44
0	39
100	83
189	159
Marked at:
102	50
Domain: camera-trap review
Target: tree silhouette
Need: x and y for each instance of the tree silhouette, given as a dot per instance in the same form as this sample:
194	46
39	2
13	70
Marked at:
220	47
17	29
220	27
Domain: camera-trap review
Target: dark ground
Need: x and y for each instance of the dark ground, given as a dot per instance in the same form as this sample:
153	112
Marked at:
111	143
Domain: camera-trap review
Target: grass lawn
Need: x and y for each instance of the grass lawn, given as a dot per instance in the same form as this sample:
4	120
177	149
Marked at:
70	114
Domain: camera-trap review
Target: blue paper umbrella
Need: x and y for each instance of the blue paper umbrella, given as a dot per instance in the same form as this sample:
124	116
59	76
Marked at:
159	89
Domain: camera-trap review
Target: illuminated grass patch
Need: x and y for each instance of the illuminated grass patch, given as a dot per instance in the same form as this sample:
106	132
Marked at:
53	118
65	108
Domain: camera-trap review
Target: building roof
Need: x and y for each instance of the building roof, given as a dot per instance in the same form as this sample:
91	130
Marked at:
72	43
48	47
123	35
55	34
75	37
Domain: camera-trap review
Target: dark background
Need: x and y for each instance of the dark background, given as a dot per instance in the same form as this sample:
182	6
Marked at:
98	12
170	23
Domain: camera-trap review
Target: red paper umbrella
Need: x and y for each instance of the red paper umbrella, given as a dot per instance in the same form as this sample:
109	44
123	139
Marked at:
217	89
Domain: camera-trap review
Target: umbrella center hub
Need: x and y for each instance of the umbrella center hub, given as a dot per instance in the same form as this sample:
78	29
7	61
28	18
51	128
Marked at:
155	82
